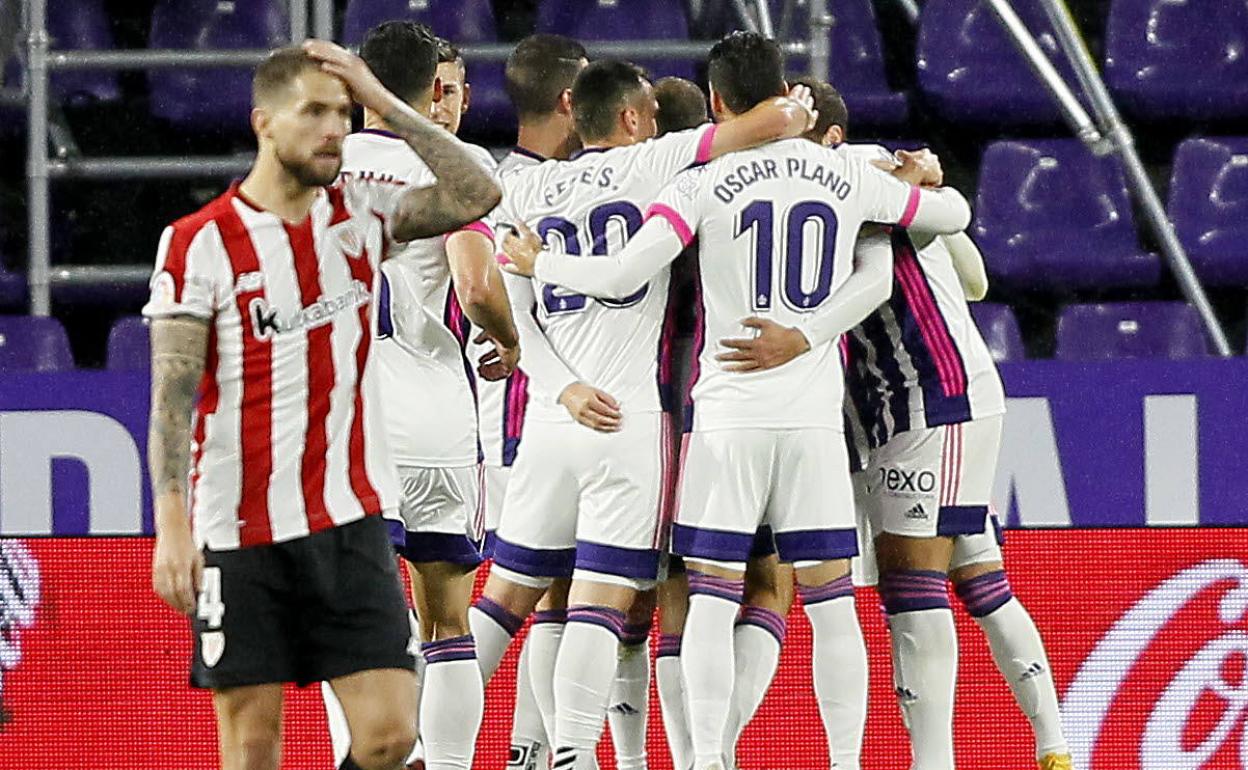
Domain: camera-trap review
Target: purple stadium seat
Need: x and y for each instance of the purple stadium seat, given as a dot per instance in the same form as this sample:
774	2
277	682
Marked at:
460	21
12	288
1130	330
588	20
856	64
1168	59
211	99
999	328
1049	215
30	343
129	346
970	70
74	25
1209	207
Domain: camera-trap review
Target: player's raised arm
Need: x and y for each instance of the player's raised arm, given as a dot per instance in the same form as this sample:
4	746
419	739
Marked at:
464	191
898	199
969	264
866	288
179	352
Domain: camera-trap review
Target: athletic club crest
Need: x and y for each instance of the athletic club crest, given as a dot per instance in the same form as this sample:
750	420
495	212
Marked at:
211	647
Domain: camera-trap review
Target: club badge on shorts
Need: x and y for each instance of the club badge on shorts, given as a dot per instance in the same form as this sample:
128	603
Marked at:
211	647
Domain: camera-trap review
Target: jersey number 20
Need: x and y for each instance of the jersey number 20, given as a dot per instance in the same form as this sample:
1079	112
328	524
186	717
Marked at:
551	229
756	220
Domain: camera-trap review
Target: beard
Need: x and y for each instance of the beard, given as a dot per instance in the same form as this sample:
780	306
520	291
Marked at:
306	173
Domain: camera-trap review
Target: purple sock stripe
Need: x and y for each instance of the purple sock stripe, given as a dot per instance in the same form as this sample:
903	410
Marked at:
669	645
984	594
550	616
842	586
635	633
607	617
444	650
500	615
768	620
709	585
913	590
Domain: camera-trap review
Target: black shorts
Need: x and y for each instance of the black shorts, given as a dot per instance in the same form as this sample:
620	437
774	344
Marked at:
303	611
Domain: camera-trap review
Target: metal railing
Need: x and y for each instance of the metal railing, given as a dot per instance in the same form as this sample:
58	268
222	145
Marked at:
41	61
1108	134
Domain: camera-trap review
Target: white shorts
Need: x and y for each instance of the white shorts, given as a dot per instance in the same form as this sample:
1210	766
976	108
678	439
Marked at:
795	481
584	500
980	548
440	513
493	490
933	482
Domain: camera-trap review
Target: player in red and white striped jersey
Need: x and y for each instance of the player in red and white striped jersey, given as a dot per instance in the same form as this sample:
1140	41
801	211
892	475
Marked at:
261	302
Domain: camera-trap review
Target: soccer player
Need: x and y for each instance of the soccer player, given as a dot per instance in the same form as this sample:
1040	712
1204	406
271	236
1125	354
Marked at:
456	93
885	379
587	490
760	449
260	302
538	78
429	292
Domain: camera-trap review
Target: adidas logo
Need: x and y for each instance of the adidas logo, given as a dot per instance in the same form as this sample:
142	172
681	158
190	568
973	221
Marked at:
1034	669
917	511
624	709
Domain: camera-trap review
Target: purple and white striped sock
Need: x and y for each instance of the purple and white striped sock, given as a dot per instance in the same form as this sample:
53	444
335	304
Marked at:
709	676
671	687
628	708
493	627
584	672
756	640
913	590
545	638
839	667
984	594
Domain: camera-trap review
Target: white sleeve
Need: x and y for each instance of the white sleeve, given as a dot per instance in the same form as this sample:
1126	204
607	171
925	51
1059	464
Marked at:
890	201
968	263
671	222
188	278
672	153
866	288
537	358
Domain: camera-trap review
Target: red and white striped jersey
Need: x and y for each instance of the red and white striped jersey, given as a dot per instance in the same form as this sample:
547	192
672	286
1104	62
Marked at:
289	437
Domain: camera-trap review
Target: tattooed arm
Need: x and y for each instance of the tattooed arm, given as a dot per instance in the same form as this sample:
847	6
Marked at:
179	350
464	191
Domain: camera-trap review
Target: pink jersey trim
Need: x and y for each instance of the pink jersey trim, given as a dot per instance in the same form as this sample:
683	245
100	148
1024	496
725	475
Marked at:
473	227
674	219
912	208
704	144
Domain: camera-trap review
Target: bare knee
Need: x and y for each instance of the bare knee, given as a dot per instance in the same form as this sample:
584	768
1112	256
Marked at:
250	728
769	584
384	745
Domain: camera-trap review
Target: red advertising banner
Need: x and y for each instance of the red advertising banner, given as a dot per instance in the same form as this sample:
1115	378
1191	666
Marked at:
1147	631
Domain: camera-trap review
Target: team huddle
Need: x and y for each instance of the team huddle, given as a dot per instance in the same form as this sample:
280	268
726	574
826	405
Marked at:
392	344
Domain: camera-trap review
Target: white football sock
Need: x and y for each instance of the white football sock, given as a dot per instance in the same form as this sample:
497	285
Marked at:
709	674
529	744
544	639
493	628
452	704
671	686
925	661
629	703
1019	654
839	663
584	672
339	733
756	641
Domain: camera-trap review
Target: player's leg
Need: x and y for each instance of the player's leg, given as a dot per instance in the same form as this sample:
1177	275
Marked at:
380	706
759	633
535	544
617	557
673	597
249	726
628	706
980	582
812	514
725	482
359	639
915	508
544	639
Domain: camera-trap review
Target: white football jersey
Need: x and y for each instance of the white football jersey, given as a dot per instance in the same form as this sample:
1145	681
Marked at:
919	361
289	434
591	205
422	333
776	229
501	405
